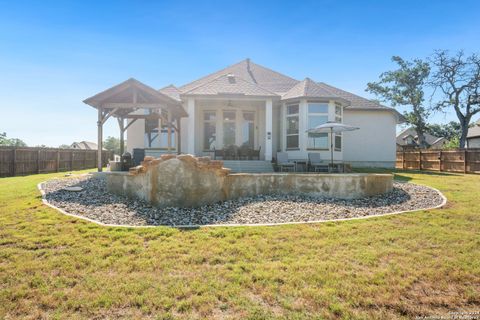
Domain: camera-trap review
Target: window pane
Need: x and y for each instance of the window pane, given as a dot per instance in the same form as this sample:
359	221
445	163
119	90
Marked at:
293	109
292	125
209	116
338	142
229	115
338	110
292	141
314	121
318	108
249	116
209	135
228	133
318	140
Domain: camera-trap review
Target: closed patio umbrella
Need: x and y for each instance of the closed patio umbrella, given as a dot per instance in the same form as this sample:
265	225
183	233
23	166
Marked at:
332	127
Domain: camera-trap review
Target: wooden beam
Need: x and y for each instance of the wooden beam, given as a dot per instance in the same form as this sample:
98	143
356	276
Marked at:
130	123
99	139
108	115
121	124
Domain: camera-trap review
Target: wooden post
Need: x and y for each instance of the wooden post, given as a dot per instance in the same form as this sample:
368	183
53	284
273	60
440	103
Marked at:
58	160
419	159
38	161
14	160
121	124
169	131
72	155
99	139
440	159
178	137
464	160
403	159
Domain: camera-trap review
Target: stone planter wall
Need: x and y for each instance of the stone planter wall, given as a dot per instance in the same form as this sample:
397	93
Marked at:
187	181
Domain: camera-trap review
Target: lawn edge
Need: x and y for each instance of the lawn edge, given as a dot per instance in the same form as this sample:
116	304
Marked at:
196	226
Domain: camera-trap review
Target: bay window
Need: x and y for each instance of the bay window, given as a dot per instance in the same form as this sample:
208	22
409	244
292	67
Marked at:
292	126
317	115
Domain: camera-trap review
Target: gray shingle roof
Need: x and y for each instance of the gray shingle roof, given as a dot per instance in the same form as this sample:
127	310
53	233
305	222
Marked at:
266	78
171	91
474	131
229	84
309	89
430	139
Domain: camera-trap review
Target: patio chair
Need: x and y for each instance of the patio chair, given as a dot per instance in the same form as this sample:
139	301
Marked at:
231	152
283	163
218	153
244	152
254	154
315	162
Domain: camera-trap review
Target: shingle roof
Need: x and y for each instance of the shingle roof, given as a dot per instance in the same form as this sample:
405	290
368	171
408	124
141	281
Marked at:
171	91
229	84
309	89
474	131
266	78
85	145
429	139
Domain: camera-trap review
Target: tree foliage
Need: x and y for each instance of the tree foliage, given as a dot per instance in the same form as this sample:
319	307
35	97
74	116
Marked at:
449	131
15	142
405	87
456	78
112	144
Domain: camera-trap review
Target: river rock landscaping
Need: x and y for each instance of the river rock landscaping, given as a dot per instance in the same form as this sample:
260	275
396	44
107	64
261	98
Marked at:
94	202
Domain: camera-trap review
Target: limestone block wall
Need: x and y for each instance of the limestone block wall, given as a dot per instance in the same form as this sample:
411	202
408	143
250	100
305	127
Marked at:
187	181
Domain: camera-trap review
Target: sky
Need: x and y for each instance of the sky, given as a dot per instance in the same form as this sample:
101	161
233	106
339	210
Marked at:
55	54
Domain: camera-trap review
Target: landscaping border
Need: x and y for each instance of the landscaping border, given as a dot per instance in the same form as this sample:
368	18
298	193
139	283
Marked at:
196	226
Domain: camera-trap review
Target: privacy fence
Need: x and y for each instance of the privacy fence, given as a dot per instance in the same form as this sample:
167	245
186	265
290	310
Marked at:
462	160
24	160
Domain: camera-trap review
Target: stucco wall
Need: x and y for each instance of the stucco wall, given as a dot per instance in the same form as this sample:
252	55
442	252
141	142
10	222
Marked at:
186	181
136	135
374	144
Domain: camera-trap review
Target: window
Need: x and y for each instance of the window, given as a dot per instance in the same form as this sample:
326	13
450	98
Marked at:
317	115
229	128
209	130
292	126
338	141
338	113
338	118
248	129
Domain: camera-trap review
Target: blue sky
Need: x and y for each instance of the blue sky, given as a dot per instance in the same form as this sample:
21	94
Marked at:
54	54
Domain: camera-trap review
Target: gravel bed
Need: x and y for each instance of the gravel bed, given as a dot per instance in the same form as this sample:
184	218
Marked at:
96	203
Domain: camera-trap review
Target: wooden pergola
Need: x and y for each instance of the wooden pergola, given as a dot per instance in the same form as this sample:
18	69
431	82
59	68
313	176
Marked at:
121	102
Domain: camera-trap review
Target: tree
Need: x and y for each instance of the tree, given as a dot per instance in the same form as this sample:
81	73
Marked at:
405	87
457	79
112	144
14	142
449	131
64	146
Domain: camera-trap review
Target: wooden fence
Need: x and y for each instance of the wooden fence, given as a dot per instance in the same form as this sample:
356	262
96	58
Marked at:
462	160
24	160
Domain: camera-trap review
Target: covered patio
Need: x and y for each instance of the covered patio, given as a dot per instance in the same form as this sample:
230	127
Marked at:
132	100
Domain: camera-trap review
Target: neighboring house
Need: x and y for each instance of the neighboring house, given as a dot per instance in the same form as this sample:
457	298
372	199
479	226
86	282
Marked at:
473	136
84	145
250	105
408	139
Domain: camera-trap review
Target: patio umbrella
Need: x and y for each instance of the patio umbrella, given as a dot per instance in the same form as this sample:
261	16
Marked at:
332	127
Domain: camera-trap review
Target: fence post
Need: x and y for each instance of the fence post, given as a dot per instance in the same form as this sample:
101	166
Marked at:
440	161
419	159
14	160
38	161
72	154
58	160
403	159
464	160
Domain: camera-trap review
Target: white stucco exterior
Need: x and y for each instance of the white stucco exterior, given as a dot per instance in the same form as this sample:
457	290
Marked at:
374	144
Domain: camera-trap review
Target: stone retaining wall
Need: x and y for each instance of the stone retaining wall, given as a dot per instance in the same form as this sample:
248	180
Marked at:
187	181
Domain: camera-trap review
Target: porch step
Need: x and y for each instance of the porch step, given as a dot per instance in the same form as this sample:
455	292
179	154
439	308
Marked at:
248	166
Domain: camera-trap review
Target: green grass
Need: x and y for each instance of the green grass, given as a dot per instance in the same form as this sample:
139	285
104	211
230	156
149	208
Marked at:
394	267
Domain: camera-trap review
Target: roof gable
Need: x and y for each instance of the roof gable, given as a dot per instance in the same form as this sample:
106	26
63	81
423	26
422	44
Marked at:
254	73
310	89
229	84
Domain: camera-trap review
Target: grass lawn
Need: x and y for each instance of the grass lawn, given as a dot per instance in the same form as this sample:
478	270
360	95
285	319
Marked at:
395	267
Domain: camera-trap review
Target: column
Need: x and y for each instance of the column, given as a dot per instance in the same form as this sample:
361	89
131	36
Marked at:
268	130
191	126
99	140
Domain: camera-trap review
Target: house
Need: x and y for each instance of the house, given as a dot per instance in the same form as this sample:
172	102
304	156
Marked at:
84	145
473	136
249	105
408	139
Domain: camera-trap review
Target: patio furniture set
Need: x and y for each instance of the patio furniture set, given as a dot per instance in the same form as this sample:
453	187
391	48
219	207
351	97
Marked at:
312	164
233	152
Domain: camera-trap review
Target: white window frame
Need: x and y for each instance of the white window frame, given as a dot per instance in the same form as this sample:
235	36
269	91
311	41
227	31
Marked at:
322	114
291	115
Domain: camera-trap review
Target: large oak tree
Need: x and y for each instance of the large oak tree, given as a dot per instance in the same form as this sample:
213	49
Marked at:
405	87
